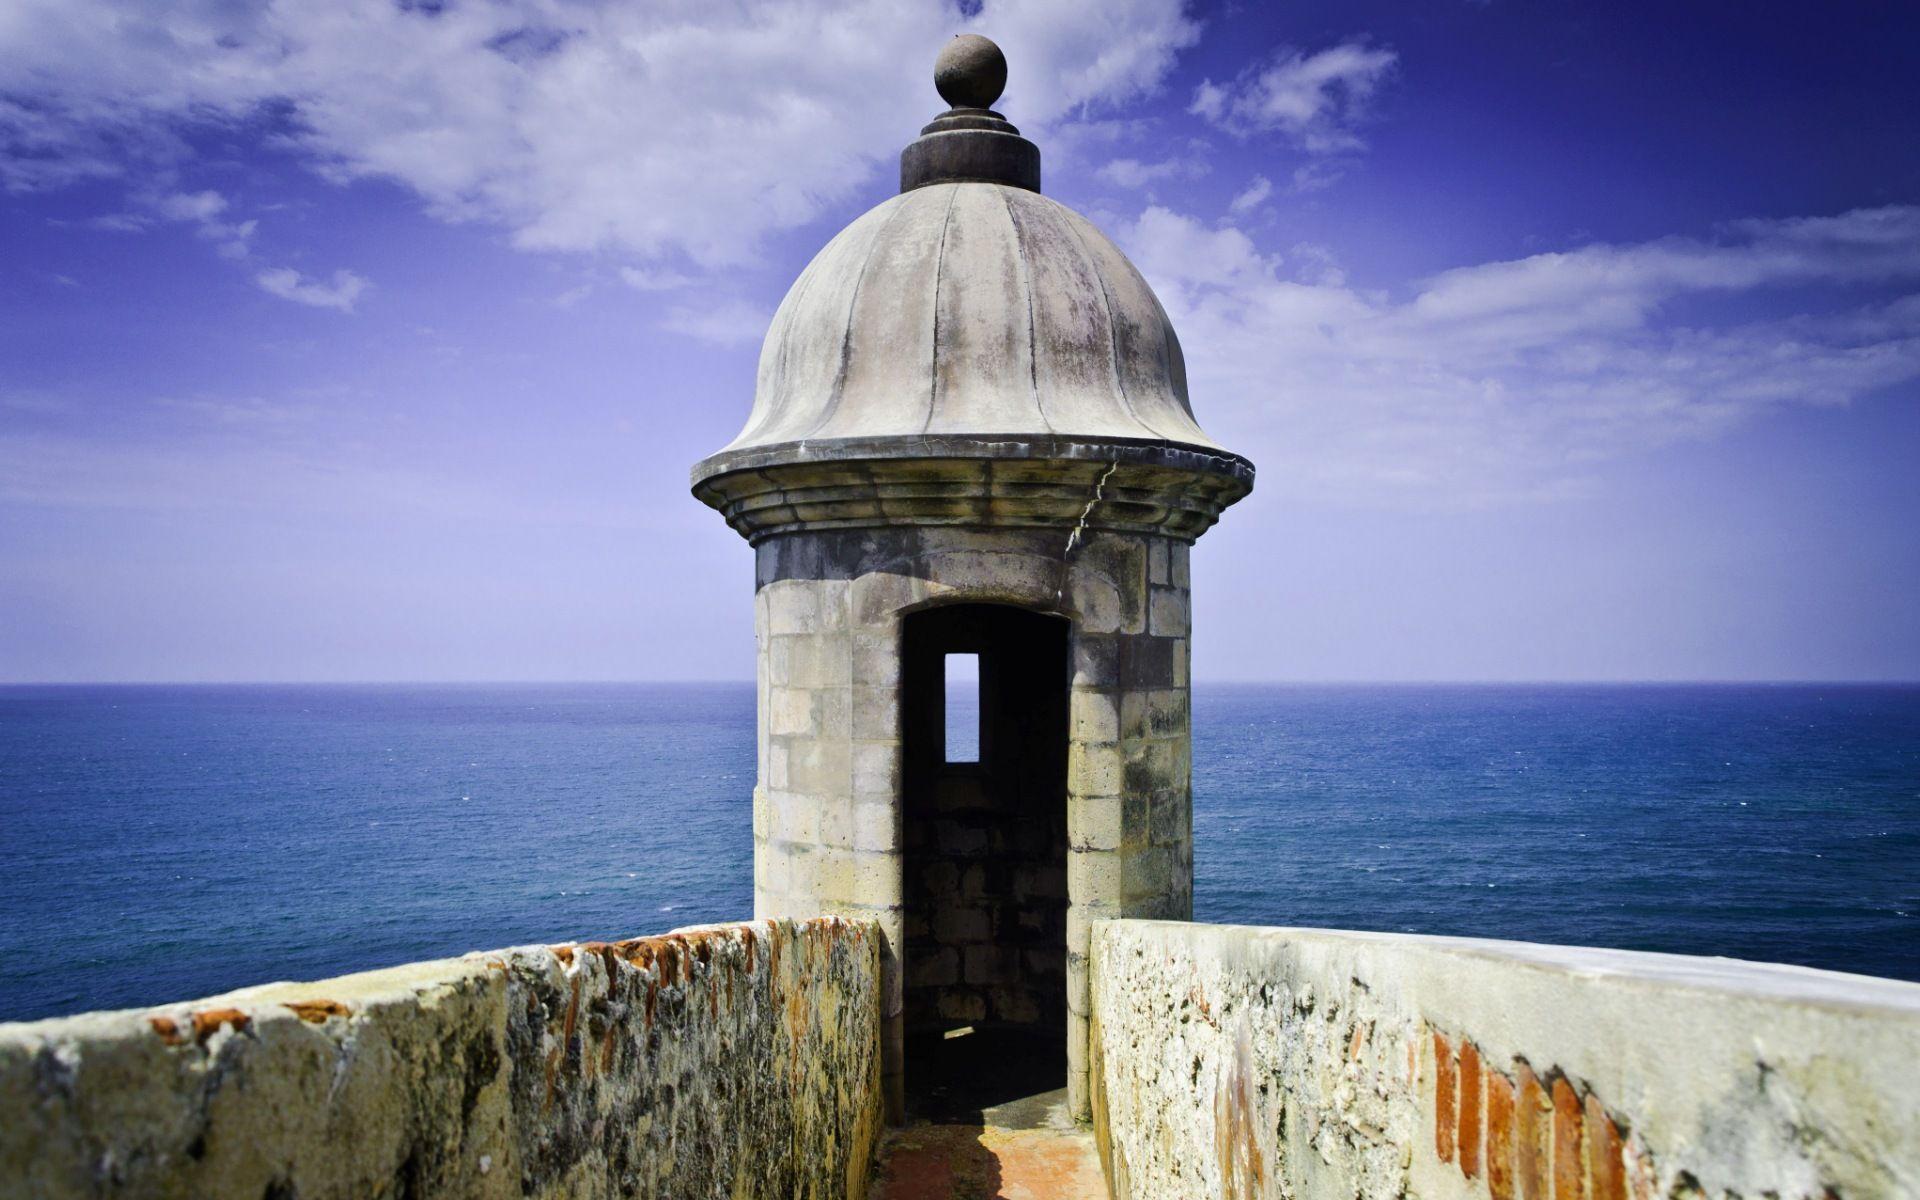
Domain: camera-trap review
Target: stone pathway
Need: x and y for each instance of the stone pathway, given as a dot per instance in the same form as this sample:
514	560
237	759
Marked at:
1024	1150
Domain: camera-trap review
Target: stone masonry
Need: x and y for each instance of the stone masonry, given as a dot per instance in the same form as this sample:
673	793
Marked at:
985	838
828	829
725	1061
971	397
1329	1065
971	433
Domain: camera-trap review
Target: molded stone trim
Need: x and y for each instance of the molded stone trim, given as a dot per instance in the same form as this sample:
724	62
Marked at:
983	483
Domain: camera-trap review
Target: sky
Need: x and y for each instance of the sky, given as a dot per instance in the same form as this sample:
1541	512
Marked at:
373	340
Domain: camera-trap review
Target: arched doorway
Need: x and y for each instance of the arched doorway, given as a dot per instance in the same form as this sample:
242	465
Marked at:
985	840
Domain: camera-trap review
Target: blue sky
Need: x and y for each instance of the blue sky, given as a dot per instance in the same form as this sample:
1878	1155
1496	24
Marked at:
359	340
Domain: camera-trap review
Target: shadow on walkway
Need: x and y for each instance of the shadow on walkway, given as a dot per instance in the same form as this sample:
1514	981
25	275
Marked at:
988	1121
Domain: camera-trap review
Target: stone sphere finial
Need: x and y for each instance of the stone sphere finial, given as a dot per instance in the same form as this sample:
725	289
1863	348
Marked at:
970	143
970	72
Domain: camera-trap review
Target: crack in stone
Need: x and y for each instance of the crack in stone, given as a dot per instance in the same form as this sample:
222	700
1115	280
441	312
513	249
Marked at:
1099	489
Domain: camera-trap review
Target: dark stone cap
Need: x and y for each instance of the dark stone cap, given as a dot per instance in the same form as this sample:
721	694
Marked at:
970	142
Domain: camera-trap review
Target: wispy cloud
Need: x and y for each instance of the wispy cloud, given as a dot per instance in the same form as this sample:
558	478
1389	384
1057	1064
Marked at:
1132	173
1318	174
206	212
199	207
1513	380
311	453
1252	196
662	132
289	284
120	222
1317	101
656	279
727	323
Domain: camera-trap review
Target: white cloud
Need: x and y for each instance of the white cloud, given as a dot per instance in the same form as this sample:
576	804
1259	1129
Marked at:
1132	173
289	284
1173	249
235	242
1253	196
1314	100
1515	379
122	222
1318	174
196	207
1314	263
204	211
1067	57
662	129
1209	101
728	323
207	212
642	279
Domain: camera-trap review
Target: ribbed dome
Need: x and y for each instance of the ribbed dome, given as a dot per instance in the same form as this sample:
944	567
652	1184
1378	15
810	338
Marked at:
971	354
970	309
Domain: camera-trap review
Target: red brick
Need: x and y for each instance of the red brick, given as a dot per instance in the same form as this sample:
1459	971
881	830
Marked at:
317	1011
1471	1078
1606	1169
1499	1136
209	1021
1533	1130
1569	1172
1443	1107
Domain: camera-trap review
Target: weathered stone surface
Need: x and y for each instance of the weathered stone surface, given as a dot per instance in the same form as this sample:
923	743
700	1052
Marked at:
725	1061
972	482
831	736
908	321
1243	1063
970	398
970	71
972	145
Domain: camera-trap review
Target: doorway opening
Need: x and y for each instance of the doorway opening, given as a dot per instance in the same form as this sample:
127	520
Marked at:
984	787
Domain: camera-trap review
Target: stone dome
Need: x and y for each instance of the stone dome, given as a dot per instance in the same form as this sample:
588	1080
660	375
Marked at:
971	308
971	353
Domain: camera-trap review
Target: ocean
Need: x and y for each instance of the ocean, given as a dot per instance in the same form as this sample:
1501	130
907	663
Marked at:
161	843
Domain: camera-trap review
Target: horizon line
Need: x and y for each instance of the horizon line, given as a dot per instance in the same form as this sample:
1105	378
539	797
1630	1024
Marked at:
748	682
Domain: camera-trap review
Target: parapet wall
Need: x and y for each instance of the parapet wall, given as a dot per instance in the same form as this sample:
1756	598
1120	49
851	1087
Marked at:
1240	1063
725	1061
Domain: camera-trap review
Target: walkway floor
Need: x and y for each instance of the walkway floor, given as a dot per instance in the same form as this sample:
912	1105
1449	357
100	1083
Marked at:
1026	1150
989	1124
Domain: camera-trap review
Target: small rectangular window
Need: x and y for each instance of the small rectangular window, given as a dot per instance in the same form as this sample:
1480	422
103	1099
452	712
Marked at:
963	708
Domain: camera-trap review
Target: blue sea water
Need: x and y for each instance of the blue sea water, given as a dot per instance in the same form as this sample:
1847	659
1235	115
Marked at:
159	843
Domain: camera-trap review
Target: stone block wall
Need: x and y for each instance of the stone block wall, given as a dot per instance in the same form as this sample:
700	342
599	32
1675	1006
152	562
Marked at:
725	1062
986	840
828	818
1243	1063
1129	769
988	906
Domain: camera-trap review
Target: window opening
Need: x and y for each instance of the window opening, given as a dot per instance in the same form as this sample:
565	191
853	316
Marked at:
963	708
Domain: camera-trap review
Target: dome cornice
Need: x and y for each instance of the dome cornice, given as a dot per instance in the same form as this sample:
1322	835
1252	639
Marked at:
1006	481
